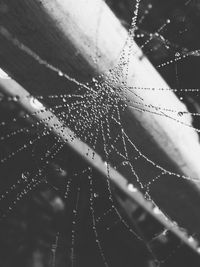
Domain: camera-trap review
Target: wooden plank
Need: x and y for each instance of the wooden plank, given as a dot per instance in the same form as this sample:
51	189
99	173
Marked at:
65	37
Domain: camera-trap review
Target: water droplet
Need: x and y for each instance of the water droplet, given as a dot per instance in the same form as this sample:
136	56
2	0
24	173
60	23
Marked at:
157	211
60	73
36	104
96	195
131	188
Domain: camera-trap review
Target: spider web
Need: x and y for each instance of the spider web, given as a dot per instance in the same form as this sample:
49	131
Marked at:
95	112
